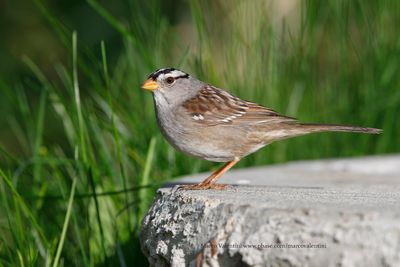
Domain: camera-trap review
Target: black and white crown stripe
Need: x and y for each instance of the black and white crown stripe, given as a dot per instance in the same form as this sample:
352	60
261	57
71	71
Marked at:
177	74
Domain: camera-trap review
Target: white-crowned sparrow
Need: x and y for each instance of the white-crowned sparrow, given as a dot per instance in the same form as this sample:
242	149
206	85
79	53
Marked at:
207	122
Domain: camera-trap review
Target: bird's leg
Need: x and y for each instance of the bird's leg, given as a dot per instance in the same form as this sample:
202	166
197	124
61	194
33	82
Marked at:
209	183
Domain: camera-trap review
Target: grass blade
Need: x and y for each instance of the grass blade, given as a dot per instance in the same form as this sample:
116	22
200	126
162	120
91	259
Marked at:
82	143
66	223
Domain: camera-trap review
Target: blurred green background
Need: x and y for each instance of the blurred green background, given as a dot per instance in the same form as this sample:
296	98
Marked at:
80	152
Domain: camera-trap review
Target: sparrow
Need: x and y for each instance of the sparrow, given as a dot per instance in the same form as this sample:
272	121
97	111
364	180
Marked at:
207	122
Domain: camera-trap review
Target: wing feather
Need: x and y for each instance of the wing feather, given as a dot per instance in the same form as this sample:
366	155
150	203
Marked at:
213	106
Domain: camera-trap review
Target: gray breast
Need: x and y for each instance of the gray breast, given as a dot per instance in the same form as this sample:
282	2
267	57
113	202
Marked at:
187	138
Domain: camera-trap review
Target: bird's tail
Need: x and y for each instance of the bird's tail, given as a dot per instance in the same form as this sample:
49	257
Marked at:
290	130
316	128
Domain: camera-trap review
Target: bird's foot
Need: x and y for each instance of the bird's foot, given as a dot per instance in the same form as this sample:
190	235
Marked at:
203	186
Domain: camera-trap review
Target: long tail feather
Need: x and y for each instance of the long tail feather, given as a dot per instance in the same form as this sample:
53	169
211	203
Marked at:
289	130
315	127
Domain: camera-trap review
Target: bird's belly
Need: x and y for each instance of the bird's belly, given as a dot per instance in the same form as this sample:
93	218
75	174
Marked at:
206	150
202	144
199	146
219	144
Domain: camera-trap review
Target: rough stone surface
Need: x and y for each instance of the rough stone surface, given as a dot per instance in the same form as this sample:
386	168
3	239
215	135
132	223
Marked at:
319	213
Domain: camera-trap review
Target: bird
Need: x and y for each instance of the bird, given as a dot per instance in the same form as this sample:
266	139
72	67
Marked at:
207	122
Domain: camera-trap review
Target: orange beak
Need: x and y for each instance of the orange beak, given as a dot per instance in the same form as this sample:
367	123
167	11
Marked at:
149	84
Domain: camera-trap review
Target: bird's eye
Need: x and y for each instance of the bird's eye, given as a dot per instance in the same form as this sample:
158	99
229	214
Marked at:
170	80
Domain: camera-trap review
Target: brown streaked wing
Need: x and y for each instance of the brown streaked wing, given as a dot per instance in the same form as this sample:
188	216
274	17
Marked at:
213	106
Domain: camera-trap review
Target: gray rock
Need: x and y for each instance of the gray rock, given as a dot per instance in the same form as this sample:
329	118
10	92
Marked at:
319	213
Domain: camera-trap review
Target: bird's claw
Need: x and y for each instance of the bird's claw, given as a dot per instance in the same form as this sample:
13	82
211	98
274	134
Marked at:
204	186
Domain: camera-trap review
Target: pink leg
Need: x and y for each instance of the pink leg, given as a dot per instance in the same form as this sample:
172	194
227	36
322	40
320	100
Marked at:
209	183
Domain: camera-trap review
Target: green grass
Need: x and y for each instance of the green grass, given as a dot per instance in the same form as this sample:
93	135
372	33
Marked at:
81	155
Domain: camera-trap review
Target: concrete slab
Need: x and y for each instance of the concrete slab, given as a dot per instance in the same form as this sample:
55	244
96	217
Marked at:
334	213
